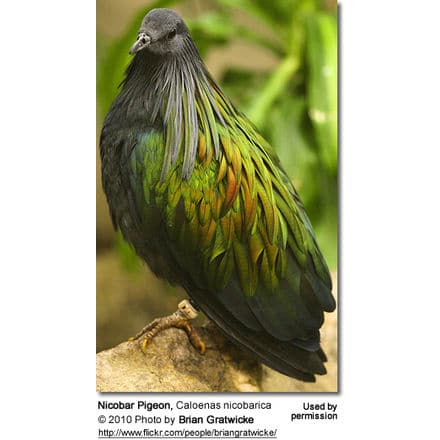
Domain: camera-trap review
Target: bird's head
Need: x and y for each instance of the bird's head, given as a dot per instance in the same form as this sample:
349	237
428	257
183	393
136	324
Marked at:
162	32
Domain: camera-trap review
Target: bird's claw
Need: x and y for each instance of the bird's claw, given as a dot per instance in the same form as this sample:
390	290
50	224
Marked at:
180	319
144	343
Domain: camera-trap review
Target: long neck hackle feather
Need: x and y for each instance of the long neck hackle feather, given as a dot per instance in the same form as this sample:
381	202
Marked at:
179	95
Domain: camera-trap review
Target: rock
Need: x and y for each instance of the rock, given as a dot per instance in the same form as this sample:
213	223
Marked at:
171	364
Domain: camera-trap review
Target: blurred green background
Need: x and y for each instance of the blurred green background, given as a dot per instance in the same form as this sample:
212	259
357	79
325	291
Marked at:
277	61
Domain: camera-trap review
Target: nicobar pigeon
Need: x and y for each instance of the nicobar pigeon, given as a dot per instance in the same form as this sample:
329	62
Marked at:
203	199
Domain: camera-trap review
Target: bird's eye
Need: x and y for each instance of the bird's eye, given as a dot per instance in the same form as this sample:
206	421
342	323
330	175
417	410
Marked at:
171	34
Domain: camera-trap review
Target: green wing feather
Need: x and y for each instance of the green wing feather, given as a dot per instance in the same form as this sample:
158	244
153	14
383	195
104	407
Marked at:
237	226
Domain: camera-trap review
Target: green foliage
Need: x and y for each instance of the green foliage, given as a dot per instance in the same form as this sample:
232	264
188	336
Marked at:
322	85
294	106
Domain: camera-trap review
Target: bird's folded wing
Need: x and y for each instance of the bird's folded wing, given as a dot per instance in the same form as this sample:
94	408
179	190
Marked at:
237	228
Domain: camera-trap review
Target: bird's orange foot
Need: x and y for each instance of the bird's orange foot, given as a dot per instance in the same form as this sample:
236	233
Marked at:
179	319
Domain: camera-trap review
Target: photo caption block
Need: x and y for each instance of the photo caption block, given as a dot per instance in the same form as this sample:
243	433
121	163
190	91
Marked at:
209	416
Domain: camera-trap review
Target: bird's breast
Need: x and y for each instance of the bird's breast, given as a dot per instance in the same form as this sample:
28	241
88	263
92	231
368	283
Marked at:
131	169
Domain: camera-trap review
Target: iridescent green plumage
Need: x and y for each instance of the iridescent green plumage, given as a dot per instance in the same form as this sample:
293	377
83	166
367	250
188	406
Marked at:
205	201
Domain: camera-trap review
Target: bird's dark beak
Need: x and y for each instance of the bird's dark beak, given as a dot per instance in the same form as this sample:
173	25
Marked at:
142	41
